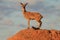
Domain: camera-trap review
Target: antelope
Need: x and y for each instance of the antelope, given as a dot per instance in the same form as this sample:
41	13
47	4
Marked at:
31	15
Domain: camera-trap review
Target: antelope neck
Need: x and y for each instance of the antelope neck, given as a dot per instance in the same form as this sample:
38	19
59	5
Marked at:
24	10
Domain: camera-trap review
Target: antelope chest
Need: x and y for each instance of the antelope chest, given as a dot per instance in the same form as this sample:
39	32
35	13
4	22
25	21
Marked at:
29	16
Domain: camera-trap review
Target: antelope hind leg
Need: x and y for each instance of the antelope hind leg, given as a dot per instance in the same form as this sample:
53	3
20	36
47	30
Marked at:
40	23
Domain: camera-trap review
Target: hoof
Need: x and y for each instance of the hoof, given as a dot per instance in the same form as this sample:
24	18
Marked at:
35	28
28	27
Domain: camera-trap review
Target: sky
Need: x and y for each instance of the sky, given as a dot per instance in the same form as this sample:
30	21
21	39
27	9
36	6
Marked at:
12	19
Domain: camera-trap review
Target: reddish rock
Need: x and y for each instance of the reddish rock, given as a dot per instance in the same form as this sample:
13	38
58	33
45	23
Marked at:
31	34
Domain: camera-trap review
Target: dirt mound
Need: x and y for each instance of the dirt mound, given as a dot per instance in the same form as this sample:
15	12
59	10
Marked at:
31	34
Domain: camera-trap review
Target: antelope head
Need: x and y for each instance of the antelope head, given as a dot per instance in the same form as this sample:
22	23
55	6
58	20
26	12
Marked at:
23	6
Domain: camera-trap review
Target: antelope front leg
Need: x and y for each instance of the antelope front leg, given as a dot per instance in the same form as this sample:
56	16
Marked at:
28	24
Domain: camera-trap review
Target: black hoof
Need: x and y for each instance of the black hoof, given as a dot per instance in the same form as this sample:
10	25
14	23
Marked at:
35	28
28	27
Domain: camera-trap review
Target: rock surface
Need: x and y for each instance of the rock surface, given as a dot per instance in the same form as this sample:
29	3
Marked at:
31	34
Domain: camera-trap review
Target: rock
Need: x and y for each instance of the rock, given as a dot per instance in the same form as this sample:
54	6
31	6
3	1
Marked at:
32	34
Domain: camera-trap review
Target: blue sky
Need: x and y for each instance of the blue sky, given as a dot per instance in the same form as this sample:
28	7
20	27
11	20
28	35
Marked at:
12	20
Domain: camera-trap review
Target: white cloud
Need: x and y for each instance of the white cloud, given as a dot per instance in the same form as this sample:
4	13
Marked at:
57	7
6	22
30	1
9	0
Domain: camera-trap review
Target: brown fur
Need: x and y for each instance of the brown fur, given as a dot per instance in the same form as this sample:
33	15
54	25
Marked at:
31	15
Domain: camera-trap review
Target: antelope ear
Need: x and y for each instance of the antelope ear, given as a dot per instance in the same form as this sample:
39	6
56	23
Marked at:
26	4
21	3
